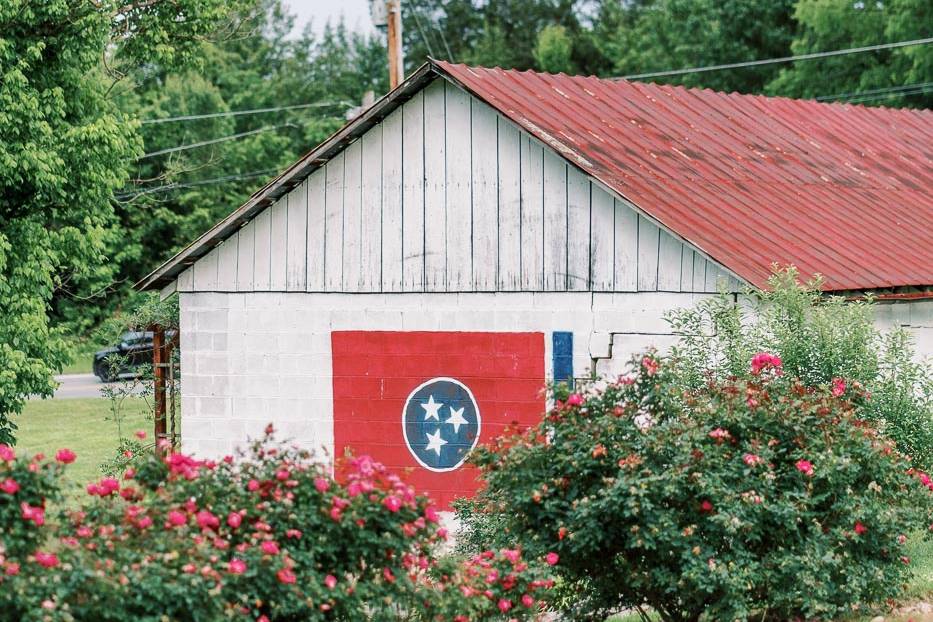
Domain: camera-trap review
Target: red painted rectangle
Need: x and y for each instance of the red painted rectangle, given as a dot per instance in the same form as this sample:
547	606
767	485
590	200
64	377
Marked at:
375	372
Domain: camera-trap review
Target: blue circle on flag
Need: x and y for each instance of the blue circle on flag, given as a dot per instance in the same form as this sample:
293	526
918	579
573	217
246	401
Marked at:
441	424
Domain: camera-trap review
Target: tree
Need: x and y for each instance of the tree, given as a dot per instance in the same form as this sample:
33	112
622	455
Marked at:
839	24
553	50
676	34
65	148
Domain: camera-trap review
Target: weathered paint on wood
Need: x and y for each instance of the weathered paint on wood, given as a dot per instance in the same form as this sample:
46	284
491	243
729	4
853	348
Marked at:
445	194
435	190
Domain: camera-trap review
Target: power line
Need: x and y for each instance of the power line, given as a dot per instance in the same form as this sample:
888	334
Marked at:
234	113
889	89
202	182
917	90
212	141
771	61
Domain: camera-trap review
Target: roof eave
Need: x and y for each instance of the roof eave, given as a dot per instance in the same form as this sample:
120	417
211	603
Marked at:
288	179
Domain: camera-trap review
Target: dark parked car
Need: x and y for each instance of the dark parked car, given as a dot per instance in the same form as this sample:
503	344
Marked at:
133	352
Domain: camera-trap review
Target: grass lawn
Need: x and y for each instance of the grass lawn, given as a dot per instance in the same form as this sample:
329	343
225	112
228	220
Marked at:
82	425
83	361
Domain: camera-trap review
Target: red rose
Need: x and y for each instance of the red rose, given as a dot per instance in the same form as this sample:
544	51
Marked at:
706	507
860	528
392	503
65	456
286	576
46	560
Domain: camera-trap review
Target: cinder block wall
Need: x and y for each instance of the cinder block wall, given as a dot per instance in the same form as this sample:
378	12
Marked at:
251	358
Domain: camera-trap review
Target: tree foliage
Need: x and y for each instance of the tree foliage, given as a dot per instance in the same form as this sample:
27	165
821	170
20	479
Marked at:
819	339
715	504
65	147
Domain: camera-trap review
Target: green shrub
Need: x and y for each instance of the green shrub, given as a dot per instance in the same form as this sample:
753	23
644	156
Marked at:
271	536
760	497
818	338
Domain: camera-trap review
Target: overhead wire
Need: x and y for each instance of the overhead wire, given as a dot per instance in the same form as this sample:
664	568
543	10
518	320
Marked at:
192	184
782	59
213	141
890	89
234	113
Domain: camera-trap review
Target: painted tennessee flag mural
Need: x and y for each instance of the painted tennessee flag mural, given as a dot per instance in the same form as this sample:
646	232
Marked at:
419	402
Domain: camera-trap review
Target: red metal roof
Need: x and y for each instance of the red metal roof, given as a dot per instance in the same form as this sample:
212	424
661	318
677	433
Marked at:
835	189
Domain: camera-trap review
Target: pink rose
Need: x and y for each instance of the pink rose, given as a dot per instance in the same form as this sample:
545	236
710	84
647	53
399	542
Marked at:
765	360
527	600
392	503
46	560
176	518
805	467
321	484
751	459
65	456
6	453
839	387
551	558
144	522
9	486
252	485
269	547
11	568
574	399
236	566
330	581
286	576
140	434
206	520
504	604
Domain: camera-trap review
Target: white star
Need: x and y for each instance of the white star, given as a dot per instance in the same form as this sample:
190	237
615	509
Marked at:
435	442
431	409
456	419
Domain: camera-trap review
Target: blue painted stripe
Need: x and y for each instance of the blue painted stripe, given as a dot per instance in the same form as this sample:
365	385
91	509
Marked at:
562	356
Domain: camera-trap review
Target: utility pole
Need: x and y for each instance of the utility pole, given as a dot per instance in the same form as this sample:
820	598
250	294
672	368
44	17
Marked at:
387	15
396	61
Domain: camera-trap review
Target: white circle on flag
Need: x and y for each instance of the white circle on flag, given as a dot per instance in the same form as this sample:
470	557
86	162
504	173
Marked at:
441	423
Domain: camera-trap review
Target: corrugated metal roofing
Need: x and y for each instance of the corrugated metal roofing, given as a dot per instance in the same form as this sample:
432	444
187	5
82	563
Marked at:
835	189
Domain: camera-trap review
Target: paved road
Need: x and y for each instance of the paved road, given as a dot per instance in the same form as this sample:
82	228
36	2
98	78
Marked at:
84	385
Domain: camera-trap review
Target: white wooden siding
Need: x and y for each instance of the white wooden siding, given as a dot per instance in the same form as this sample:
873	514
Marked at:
445	194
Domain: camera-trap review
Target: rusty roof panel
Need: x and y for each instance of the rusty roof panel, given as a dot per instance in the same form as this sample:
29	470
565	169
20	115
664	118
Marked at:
835	189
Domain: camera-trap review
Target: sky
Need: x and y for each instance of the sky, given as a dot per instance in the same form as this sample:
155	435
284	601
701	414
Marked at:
355	12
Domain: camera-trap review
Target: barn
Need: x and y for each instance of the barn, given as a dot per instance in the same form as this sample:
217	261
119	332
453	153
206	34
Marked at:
406	288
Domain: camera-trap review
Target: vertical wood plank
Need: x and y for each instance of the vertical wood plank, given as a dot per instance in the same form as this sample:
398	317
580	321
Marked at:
296	258
578	230
532	206
715	276
277	245
261	252
555	222
484	165
371	211
352	216
735	285
316	243
602	239
392	223
413	194
510	223
245	259
459	190
226	265
649	237
205	272
686	269
669	258
333	223
186	280
699	272
625	254
435	191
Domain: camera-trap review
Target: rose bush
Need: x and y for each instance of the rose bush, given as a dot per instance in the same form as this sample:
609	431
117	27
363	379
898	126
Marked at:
756	497
268	536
